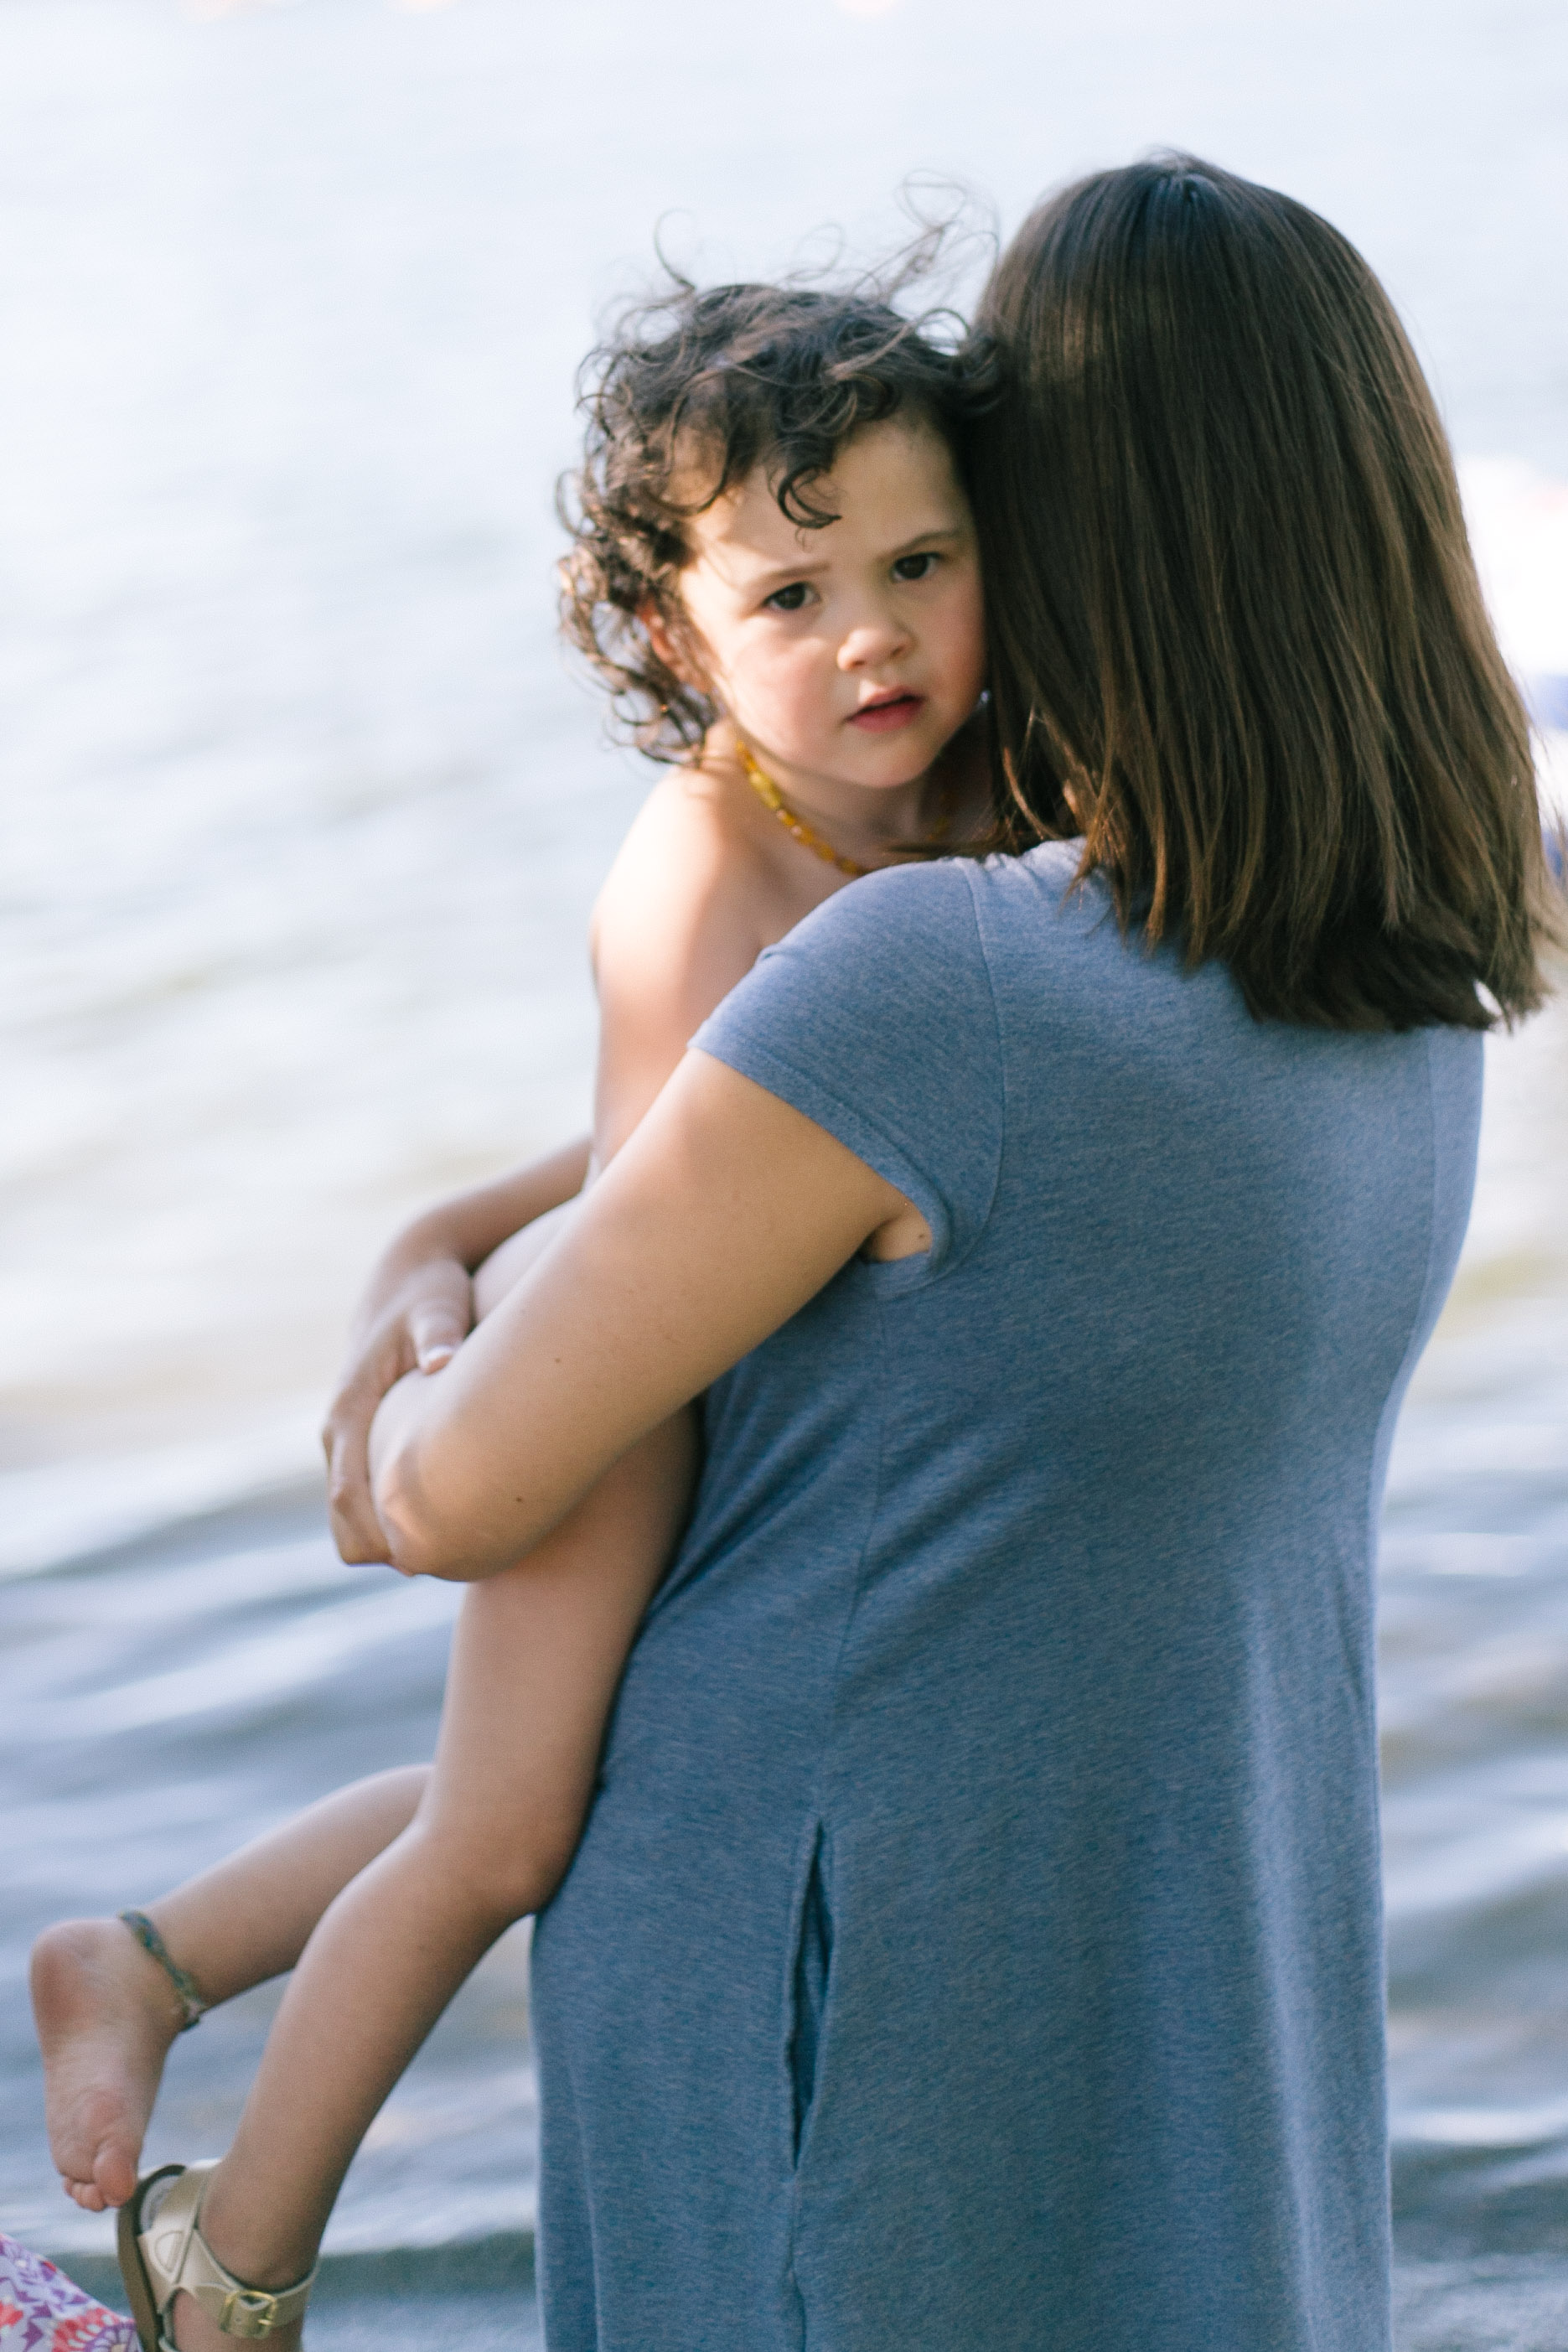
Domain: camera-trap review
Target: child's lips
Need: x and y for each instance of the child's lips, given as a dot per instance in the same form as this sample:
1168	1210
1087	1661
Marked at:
892	711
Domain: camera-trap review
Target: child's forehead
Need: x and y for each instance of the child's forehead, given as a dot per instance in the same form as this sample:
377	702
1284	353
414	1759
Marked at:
876	475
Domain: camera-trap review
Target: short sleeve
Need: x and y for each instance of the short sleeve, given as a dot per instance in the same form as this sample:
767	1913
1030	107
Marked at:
875	1018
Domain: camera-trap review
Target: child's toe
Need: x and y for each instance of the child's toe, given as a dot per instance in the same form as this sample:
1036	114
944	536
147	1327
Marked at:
114	2176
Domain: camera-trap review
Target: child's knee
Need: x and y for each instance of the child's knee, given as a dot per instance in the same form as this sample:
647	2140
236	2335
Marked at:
503	1872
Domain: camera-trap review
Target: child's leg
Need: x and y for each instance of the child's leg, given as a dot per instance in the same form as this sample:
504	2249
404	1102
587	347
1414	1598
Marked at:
107	2013
537	1656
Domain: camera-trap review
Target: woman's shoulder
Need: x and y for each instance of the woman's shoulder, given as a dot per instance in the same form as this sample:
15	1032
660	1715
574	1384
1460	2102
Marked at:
876	1019
875	974
920	899
934	912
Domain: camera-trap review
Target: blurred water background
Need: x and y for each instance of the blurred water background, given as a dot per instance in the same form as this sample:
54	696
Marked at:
302	817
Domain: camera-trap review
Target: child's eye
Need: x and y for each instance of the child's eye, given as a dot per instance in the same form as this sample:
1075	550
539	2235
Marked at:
915	567
790	598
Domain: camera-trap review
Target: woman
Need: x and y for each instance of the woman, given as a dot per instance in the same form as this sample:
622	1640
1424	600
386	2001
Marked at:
976	1939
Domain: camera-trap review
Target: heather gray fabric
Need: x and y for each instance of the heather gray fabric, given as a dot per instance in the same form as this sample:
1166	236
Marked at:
976	1940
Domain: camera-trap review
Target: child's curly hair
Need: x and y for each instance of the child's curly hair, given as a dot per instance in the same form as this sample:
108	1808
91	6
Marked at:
710	384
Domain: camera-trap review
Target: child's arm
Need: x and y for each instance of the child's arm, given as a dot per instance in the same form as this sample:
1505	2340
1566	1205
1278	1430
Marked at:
680	920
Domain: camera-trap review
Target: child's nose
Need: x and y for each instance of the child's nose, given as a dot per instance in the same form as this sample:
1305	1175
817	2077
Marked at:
876	638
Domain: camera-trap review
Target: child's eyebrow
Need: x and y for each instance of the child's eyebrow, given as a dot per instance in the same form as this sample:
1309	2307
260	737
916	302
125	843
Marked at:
780	574
923	538
784	573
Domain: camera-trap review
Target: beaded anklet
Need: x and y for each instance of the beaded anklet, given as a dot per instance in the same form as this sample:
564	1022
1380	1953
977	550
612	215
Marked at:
185	1984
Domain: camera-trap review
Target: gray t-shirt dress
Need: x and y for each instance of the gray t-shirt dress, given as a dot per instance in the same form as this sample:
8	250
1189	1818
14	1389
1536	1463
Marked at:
975	1941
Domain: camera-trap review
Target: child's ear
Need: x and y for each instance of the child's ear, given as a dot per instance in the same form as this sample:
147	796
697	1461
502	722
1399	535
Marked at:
659	637
666	644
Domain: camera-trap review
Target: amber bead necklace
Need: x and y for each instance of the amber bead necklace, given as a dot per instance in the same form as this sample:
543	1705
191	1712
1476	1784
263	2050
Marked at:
768	793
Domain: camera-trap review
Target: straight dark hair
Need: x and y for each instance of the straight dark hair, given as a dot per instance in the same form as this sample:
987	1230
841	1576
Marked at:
1234	615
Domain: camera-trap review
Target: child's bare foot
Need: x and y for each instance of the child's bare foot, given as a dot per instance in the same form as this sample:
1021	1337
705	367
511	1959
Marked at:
105	2014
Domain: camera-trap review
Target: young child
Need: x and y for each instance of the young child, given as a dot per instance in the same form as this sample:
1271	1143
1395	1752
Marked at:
774	572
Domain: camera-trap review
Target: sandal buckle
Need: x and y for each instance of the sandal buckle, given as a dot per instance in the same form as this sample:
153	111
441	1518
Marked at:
249	2311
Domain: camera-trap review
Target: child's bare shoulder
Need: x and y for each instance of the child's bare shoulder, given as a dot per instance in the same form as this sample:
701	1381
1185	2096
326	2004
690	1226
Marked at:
682	916
685	906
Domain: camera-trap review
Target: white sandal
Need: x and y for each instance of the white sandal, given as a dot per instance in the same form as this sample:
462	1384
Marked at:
162	2254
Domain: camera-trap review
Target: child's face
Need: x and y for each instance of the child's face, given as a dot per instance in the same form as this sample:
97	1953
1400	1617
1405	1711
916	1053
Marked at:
848	655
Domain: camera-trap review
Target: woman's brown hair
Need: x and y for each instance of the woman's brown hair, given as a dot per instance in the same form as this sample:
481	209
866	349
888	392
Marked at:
1233	610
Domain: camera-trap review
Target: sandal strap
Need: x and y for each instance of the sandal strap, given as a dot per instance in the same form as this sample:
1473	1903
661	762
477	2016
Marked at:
191	1997
179	2261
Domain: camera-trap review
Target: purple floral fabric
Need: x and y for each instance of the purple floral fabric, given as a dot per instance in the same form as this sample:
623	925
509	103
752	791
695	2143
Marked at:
42	2311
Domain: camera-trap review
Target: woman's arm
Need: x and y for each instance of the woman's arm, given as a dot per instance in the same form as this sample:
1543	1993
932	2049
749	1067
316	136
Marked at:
721	1216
